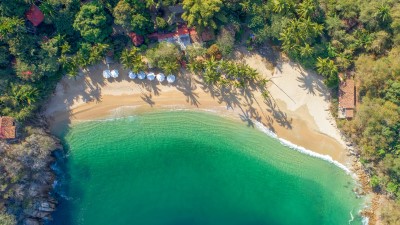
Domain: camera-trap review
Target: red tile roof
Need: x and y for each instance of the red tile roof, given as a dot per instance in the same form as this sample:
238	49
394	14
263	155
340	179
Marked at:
7	127
35	15
347	97
194	36
136	39
349	113
183	30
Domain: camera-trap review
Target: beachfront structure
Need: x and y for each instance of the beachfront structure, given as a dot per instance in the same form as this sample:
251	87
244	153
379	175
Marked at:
141	75
114	73
171	78
181	37
347	99
7	127
160	77
106	74
132	75
150	76
34	15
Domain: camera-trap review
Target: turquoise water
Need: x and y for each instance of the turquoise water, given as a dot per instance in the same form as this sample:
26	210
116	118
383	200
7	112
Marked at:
189	168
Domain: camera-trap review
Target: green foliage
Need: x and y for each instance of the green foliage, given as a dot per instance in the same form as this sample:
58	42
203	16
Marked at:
7	219
165	56
11	8
225	73
11	25
141	24
374	182
202	13
328	69
131	59
93	23
194	51
392	187
213	51
161	23
225	42
61	14
132	15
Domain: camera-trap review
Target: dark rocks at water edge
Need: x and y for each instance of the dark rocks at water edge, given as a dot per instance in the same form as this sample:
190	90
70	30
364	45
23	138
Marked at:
26	177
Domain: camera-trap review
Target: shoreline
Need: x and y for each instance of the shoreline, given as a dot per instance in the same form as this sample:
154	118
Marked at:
293	112
297	110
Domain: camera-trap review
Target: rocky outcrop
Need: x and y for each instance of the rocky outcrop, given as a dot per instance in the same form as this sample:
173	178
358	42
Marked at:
29	178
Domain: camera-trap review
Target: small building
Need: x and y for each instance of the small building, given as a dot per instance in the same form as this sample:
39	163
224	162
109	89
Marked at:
136	38
35	15
206	35
7	127
180	37
347	98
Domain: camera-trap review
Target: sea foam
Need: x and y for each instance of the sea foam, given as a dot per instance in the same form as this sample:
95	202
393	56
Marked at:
262	128
301	149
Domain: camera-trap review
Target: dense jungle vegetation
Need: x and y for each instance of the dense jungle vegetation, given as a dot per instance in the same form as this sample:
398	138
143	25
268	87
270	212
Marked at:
361	37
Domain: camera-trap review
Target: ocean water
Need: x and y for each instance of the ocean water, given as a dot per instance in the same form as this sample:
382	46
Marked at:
195	168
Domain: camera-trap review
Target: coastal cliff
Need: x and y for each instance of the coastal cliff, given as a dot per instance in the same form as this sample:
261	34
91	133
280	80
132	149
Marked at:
26	178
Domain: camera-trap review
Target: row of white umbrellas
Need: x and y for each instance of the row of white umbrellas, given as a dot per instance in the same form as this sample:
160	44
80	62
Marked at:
141	75
151	76
113	73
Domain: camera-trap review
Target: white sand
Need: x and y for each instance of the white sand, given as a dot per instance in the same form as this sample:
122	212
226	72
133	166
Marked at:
297	87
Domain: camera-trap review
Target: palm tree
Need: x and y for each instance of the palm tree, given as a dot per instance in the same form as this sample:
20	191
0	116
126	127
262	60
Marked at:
23	94
306	9
126	59
169	67
306	50
211	75
97	52
11	25
69	65
282	6
251	73
383	13
326	67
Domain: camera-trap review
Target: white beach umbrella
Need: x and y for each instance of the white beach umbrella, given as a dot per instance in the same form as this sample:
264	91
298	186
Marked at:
132	75
141	75
151	76
160	77
106	74
114	73
171	78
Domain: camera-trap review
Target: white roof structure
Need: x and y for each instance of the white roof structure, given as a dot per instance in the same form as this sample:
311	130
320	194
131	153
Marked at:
132	75
106	74
141	75
171	78
151	76
160	77
114	73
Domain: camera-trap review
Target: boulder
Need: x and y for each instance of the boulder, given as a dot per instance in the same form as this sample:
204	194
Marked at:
30	221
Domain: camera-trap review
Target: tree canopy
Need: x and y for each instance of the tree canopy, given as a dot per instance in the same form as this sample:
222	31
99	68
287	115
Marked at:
202	13
93	23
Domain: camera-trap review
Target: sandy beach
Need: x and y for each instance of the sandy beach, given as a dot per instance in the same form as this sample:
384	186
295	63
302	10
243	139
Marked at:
297	110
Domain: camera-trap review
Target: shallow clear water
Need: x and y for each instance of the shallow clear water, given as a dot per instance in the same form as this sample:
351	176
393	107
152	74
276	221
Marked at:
184	168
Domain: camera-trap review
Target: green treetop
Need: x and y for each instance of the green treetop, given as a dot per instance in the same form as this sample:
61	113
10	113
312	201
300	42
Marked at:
93	23
201	13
